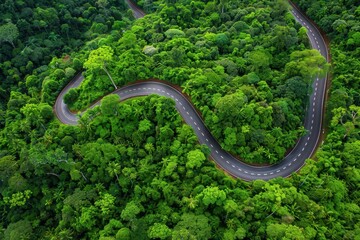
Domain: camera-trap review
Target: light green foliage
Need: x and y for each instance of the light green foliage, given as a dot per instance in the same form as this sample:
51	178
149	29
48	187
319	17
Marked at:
98	58
87	218
150	50
284	231
130	211
109	105
195	159
134	170
8	33
106	204
18	199
260	60
192	227
174	33
144	125
306	63
159	230
212	195
123	234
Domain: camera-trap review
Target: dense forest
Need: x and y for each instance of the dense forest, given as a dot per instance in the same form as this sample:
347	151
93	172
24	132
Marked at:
135	170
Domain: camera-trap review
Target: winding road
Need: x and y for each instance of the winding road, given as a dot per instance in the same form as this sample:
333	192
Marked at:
304	148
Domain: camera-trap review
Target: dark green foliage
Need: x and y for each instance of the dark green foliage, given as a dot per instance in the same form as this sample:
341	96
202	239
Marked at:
237	84
31	33
134	170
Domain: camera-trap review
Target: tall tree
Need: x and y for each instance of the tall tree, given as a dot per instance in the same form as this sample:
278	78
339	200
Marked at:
8	33
98	59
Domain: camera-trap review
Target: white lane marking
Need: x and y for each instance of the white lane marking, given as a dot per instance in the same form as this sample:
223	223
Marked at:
259	174
202	134
149	88
172	96
187	113
159	89
233	166
227	162
130	90
207	140
313	109
217	151
299	154
271	173
184	108
162	91
195	123
284	167
294	159
306	143
312	121
302	149
180	103
168	94
313	115
191	117
278	171
308	138
222	157
310	30
315	93
289	164
198	128
246	172
252	173
211	145
265	174
176	99
316	89
313	103
311	128
144	88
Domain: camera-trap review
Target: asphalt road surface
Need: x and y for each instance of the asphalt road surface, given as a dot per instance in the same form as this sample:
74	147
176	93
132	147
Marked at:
290	164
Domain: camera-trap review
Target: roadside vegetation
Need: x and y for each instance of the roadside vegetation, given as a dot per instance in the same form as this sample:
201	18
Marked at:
134	170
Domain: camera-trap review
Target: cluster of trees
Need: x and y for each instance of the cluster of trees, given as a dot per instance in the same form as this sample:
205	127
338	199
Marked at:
244	65
134	170
32	32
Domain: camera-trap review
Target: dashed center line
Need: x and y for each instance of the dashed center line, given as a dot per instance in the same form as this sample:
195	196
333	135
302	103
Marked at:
207	140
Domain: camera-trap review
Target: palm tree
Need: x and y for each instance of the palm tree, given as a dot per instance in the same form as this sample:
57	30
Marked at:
114	169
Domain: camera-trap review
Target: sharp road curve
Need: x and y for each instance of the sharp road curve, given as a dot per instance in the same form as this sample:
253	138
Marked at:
290	164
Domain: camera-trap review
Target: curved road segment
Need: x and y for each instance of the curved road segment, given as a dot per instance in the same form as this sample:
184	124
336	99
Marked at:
291	163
